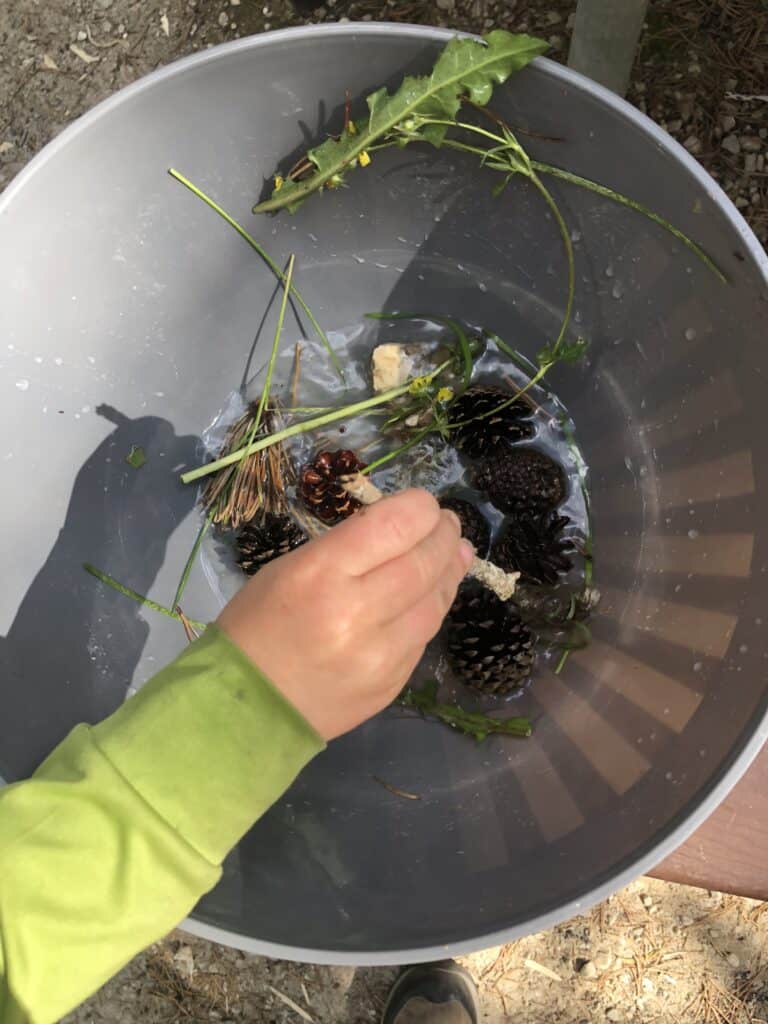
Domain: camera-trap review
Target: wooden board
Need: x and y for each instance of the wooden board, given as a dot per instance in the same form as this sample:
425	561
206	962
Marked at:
729	853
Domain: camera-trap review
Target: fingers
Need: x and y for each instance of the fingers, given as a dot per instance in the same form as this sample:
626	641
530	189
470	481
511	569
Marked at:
392	588
379	533
414	628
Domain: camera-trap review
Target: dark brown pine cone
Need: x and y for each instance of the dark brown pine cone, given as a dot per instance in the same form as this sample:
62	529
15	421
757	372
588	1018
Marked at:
478	430
489	646
474	525
261	542
320	489
533	545
522	480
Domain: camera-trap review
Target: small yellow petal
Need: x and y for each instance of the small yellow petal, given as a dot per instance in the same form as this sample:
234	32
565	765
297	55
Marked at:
445	394
365	158
279	182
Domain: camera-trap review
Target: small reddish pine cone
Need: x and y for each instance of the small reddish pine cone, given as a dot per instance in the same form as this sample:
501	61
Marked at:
320	489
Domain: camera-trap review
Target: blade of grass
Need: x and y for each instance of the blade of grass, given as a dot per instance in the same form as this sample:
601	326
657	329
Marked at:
397	451
178	176
275	345
110	581
191	559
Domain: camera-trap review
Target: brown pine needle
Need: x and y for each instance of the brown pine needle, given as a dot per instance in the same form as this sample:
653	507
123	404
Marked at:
255	485
191	634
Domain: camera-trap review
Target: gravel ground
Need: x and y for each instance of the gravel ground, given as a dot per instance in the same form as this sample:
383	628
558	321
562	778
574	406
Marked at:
655	952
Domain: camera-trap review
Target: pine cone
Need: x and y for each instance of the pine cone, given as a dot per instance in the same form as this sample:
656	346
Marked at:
260	543
534	546
489	646
522	480
319	487
474	525
477	430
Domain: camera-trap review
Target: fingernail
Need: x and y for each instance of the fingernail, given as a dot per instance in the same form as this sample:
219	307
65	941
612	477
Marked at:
454	517
467	552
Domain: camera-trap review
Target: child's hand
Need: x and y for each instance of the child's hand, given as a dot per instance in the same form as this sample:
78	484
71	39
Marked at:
339	624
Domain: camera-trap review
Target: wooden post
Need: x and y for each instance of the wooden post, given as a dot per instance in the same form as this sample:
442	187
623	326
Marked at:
604	41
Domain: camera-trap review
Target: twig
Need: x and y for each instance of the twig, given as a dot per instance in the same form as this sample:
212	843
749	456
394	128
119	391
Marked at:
290	1003
395	790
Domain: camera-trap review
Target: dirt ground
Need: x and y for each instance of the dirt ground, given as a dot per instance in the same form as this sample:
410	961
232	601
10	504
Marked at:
655	952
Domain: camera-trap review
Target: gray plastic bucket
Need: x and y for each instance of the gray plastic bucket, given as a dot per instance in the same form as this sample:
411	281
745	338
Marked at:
128	309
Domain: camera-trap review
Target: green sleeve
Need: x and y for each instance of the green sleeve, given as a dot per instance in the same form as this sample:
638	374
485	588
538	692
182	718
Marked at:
120	831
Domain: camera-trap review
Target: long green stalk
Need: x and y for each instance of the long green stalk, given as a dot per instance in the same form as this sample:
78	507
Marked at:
304	426
110	581
398	451
598	189
267	259
633	204
569	254
182	586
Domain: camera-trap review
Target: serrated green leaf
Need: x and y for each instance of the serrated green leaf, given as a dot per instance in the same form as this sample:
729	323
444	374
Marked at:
465	68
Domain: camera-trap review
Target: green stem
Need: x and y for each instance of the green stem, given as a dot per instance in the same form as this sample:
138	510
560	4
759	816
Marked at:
191	559
633	204
303	427
472	722
275	343
569	253
110	581
398	451
267	259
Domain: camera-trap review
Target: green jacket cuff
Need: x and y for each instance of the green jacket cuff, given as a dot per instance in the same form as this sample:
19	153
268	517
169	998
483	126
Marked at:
209	743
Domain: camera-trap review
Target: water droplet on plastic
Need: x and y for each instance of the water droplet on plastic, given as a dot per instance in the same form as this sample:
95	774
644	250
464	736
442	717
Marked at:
693	534
609	271
617	291
22	385
690	334
359	259
697	666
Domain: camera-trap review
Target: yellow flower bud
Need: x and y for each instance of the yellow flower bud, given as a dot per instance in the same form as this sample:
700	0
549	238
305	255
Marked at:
365	158
279	182
445	394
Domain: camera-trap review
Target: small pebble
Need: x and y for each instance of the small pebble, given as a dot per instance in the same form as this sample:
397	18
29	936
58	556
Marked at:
751	143
728	123
647	901
731	144
603	960
588	970
733	960
81	36
614	1014
223	19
